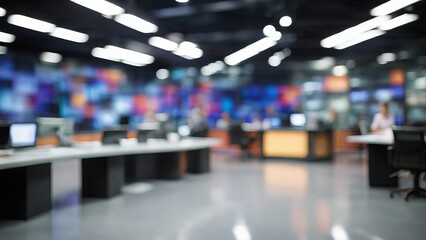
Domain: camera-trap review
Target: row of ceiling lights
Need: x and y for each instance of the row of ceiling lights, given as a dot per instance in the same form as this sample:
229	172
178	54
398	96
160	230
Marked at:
185	49
372	28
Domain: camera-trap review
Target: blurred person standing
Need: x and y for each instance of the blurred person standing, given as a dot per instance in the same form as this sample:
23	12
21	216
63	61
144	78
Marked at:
197	121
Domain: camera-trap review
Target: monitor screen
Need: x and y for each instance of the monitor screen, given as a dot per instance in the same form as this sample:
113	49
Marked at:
297	119
113	136
23	135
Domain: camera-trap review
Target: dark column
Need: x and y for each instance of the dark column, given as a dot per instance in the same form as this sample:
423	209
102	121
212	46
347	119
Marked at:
379	168
140	167
171	165
102	177
26	191
198	161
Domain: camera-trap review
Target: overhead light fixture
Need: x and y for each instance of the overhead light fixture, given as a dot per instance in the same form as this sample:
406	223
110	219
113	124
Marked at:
182	1
274	61
136	23
101	6
2	12
361	38
163	43
6	37
3	50
398	21
188	50
386	57
391	6
126	56
130	55
212	68
104	54
353	32
69	35
286	21
30	23
162	74
269	30
250	51
340	70
50	57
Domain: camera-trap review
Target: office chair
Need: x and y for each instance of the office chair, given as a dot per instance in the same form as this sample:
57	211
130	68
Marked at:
409	153
237	136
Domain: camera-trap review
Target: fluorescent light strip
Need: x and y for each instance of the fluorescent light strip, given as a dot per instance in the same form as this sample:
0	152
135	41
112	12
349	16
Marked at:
126	56
50	57
361	38
163	43
398	21
353	32
2	12
6	37
69	35
249	51
136	23
3	50
104	54
188	50
391	6
30	23
101	6
130	55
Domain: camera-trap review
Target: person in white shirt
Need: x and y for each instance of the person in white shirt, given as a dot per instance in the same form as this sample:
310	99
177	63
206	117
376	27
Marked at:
383	120
224	122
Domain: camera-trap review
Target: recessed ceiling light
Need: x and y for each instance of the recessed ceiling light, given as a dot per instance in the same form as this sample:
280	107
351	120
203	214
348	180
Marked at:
286	21
6	37
50	57
3	50
163	43
69	35
162	74
391	6
2	12
101	6
340	70
269	30
136	23
30	23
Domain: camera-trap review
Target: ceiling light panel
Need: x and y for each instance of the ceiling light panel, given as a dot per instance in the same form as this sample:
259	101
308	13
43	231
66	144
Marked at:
30	23
69	35
163	43
398	21
6	37
391	6
101	6
353	32
136	23
2	12
50	57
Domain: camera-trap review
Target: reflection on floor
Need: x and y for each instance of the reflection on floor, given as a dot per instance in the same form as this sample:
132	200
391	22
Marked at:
238	200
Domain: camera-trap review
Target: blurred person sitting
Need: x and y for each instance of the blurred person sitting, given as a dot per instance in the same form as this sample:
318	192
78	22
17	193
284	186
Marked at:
224	122
383	120
271	120
197	121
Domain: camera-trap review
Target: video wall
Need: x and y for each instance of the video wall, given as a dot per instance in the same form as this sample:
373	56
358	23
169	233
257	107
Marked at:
96	97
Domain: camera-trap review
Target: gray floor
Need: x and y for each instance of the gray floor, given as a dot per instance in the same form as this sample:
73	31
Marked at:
236	201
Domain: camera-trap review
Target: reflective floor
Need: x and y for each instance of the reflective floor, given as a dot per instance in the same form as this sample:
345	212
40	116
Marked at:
238	200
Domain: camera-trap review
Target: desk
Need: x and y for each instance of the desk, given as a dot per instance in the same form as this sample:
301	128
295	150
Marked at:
25	178
379	168
297	144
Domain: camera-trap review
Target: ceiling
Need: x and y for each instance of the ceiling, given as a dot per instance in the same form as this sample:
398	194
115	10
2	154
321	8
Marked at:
219	27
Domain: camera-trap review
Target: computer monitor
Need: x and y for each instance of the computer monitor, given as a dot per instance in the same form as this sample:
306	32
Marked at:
4	136
23	135
49	126
297	119
113	136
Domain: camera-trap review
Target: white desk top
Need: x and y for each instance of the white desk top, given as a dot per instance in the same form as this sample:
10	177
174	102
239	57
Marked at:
379	139
22	159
